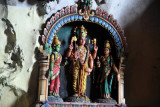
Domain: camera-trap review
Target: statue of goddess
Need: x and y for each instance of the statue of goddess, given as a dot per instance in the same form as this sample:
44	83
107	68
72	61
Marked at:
105	64
55	68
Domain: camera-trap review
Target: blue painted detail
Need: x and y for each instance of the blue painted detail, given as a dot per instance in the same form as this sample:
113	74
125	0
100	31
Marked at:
68	19
118	42
76	17
114	33
56	27
49	41
119	46
46	104
51	34
118	39
61	22
103	23
80	17
58	24
116	36
100	21
91	18
50	37
111	30
72	17
53	30
65	20
96	19
109	27
106	24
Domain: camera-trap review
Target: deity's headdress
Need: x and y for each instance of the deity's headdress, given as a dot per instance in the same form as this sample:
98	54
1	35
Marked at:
107	44
56	41
83	32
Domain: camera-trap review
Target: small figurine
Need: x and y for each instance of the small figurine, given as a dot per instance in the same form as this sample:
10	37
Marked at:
82	62
55	68
105	64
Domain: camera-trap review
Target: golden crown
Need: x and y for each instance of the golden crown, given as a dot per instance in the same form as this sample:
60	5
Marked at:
83	32
56	41
107	44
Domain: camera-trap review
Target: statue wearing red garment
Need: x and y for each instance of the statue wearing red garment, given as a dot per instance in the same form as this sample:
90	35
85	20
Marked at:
55	68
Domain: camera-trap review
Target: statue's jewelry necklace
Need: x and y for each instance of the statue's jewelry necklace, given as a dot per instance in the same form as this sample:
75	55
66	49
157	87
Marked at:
80	50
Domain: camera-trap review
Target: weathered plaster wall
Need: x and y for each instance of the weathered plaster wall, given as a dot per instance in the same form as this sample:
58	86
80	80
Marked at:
19	39
21	22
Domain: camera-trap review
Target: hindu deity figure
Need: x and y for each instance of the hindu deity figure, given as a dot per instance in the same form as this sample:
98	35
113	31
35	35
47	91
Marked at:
82	62
55	68
105	64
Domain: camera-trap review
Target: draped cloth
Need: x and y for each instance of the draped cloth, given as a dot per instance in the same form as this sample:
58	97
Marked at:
79	78
78	70
55	81
106	85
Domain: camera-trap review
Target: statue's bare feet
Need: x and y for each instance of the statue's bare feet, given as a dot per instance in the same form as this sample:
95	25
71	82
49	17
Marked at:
56	94
75	95
53	93
109	96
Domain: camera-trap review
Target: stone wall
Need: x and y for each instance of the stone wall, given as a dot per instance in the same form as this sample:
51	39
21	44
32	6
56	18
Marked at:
21	24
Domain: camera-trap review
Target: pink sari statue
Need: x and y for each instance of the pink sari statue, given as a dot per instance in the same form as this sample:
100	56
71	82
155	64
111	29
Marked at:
55	68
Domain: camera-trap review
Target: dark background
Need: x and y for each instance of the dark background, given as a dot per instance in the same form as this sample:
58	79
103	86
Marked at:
142	76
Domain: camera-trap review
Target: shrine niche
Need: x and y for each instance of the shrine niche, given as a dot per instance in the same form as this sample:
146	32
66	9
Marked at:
81	58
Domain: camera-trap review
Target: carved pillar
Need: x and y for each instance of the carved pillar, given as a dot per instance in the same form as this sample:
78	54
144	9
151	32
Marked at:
121	99
43	80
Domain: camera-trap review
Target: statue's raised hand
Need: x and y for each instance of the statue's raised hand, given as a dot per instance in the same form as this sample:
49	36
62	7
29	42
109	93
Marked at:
95	47
71	46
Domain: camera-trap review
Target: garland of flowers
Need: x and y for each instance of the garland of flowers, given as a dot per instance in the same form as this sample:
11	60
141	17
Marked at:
85	58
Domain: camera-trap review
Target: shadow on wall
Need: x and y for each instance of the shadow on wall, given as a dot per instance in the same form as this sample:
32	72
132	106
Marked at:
143	66
29	99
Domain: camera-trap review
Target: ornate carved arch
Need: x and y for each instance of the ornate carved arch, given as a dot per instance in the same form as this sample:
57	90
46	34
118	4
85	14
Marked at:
73	14
98	16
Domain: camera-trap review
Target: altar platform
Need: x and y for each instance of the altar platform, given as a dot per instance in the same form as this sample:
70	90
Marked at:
75	104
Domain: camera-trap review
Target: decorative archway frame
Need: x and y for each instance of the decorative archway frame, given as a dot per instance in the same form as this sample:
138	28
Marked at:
98	16
71	14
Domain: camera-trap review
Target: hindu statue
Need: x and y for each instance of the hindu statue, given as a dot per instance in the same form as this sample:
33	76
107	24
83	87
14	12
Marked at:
105	64
55	68
82	61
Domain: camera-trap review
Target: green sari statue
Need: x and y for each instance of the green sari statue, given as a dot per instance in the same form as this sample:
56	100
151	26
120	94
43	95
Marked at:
106	63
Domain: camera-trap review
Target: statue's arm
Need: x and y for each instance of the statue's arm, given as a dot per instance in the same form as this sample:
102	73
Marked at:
105	76
95	51
90	67
70	50
52	65
116	70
